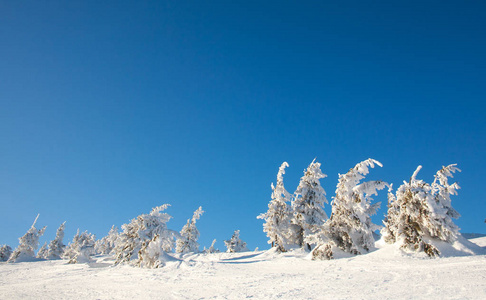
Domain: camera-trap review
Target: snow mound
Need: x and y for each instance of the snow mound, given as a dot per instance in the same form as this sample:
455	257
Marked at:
461	247
480	241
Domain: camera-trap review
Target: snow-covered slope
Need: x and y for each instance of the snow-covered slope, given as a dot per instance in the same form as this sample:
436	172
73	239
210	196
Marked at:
480	241
382	274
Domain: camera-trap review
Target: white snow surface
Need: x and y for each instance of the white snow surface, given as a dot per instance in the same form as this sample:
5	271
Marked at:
385	273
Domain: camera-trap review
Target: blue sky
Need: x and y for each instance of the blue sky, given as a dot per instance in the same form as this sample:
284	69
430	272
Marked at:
109	109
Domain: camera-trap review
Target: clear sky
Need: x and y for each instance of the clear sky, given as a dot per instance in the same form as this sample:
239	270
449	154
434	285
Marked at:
110	108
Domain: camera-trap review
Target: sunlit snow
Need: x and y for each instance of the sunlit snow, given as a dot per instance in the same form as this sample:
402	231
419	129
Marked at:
386	273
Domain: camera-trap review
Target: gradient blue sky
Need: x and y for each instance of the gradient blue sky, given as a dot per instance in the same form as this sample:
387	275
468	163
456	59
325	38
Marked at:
109	108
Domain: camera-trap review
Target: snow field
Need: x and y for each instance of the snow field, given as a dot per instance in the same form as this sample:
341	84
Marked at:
385	273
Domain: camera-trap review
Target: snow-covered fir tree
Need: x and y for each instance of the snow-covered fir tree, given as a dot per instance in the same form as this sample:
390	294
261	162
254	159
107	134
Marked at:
235	244
391	221
146	239
420	213
81	248
107	243
187	241
28	243
5	252
442	213
350	228
278	216
308	206
56	246
211	249
42	253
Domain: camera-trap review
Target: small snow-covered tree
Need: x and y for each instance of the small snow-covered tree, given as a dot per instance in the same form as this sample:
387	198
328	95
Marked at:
421	213
187	241
5	252
278	216
56	246
28	243
140	240
42	253
81	248
152	254
235	244
308	206
350	228
107	243
211	249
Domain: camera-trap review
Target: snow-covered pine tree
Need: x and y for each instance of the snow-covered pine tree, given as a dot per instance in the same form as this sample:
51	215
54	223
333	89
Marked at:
5	252
211	249
278	216
140	240
56	246
28	243
235	244
442	213
350	228
407	219
42	253
421	213
81	248
187	241
391	221
308	206
107	243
